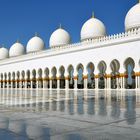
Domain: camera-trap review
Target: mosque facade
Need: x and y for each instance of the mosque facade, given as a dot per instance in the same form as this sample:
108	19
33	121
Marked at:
98	61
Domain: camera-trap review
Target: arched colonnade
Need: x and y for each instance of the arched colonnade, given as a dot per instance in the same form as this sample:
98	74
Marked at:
79	77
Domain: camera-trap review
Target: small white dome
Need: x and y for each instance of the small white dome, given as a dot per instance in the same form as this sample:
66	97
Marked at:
132	19
93	28
59	37
4	53
35	44
16	49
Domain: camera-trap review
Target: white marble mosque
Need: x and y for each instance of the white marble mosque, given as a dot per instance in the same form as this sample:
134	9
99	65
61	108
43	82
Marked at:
98	61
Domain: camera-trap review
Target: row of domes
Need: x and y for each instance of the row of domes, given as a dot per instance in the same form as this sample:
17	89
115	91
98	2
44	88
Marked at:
93	28
34	44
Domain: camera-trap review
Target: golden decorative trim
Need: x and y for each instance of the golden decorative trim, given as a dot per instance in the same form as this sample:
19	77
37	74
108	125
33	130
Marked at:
108	76
75	78
96	76
33	79
57	78
85	77
39	79
46	79
53	78
67	78
120	75
137	73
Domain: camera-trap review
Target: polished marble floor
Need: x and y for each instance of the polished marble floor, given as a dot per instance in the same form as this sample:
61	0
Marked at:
69	115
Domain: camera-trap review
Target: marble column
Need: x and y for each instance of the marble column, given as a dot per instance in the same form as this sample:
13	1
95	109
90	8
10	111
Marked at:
7	83
25	83
66	83
12	83
136	81
85	83
108	83
122	75
108	77
20	83
31	84
66	80
58	83
50	83
44	84
75	79
118	82
96	83
15	82
37	83
75	83
2	84
122	82
44	81
121	85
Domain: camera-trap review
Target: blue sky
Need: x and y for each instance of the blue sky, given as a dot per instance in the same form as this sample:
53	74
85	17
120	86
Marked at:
20	19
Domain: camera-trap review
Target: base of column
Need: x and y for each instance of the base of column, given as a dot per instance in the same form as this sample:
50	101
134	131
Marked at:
85	84
96	83
75	84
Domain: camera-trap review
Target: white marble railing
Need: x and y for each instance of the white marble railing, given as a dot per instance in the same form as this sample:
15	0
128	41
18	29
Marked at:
115	37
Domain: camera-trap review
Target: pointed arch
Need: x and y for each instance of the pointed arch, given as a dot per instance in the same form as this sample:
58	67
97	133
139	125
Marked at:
129	65
22	79
5	80
2	80
13	80
28	75
62	77
54	77
115	66
71	76
90	76
46	78
80	77
18	79
102	71
40	78
34	78
9	79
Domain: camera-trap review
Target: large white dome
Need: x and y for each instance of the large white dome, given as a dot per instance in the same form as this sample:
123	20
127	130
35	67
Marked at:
59	37
4	53
93	28
132	19
16	49
35	44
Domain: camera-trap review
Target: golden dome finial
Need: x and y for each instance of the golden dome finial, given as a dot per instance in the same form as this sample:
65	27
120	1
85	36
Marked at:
93	15
36	33
17	40
60	26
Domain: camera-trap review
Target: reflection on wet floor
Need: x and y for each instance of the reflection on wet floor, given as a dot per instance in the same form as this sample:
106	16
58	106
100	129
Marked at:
71	114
